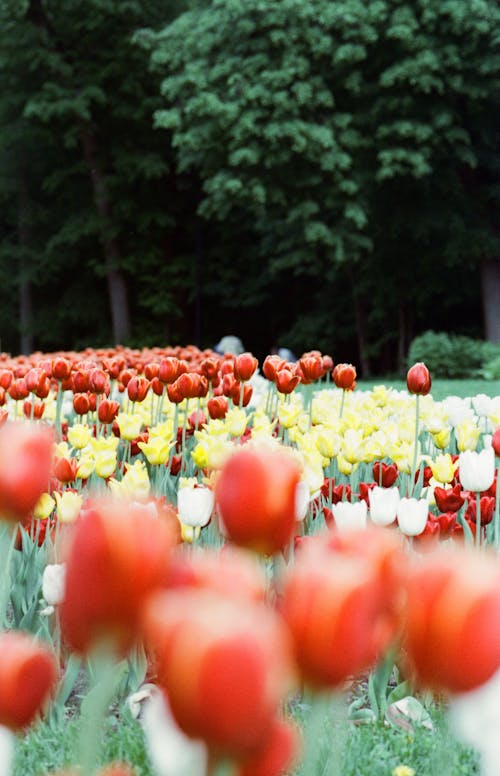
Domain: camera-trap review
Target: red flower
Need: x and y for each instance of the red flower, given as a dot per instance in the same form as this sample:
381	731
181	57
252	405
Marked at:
277	754
449	499
341	602
117	557
225	665
245	366
272	365
452	629
310	368
65	469
344	376
25	465
418	379
487	507
495	442
256	493
217	407
27	677
108	410
286	380
385	474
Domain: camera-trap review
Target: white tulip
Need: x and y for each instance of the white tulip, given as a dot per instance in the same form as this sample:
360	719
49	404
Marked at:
195	505
171	752
412	515
7	747
383	505
53	580
350	516
477	470
301	500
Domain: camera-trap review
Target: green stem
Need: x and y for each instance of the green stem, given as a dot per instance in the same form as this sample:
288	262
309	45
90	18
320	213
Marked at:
497	510
415	447
342	402
478	519
7	542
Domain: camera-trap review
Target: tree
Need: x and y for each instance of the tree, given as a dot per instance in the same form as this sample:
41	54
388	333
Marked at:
301	118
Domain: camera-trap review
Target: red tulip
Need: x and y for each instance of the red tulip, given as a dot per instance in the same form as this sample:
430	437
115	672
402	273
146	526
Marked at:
118	556
168	370
61	368
452	629
137	388
495	442
245	366
27	677
108	410
81	403
217	407
25	465
449	499
224	663
256	493
310	368
344	376
418	379
34	409
342	603
286	380
65	469
272	365
276	756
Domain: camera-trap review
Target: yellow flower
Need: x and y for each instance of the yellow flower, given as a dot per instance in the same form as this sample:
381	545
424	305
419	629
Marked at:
352	446
442	438
443	468
261	426
44	506
236	421
61	450
327	441
79	435
313	473
345	467
105	463
129	424
189	533
156	450
102	444
68	507
467	435
86	465
289	413
403	770
211	451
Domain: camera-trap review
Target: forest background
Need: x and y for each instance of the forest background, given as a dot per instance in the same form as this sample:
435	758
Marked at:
304	173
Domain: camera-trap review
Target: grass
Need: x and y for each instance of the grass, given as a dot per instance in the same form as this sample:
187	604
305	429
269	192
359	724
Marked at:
441	388
341	748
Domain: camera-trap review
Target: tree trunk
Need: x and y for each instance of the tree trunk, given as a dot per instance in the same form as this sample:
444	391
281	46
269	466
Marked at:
490	286
117	289
26	343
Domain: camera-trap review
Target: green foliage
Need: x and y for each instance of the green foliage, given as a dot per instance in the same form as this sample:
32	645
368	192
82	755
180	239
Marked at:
454	356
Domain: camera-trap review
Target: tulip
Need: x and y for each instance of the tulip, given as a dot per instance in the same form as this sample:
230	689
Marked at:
68	505
383	505
27	677
412	515
195	503
385	474
449	499
217	407
276	756
349	516
341	602
477	470
118	556
224	664
244	366
53	578
256	493
25	466
418	379
452	629
344	376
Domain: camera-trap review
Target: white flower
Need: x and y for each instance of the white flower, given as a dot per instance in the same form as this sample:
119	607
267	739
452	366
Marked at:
383	505
457	410
475	716
412	515
350	516
7	746
171	752
195	505
53	579
301	500
477	470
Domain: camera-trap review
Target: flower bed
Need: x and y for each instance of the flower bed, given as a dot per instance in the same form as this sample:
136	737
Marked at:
232	554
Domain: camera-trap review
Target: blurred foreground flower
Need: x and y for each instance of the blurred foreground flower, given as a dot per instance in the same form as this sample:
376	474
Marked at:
256	495
27	677
25	467
452	626
118	555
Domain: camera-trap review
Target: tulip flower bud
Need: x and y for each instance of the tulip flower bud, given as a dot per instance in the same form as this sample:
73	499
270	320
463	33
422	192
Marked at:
151	370
344	376
18	389
342	604
452	630
349	516
236	655
412	515
61	368
108	410
65	469
217	407
118	557
98	381
418	379
286	380
34	409
477	470
383	505
27	677
310	368
6	377
271	366
168	370
80	381
81	403
137	388
194	503
260	518
25	465
245	366
385	474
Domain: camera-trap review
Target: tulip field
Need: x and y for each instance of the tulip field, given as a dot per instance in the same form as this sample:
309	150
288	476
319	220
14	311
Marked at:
215	567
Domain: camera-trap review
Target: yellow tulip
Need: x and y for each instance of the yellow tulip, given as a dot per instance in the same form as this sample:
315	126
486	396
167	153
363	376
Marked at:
156	450
105	463
44	506
443	468
442	438
79	435
130	425
86	465
236	421
68	507
467	434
